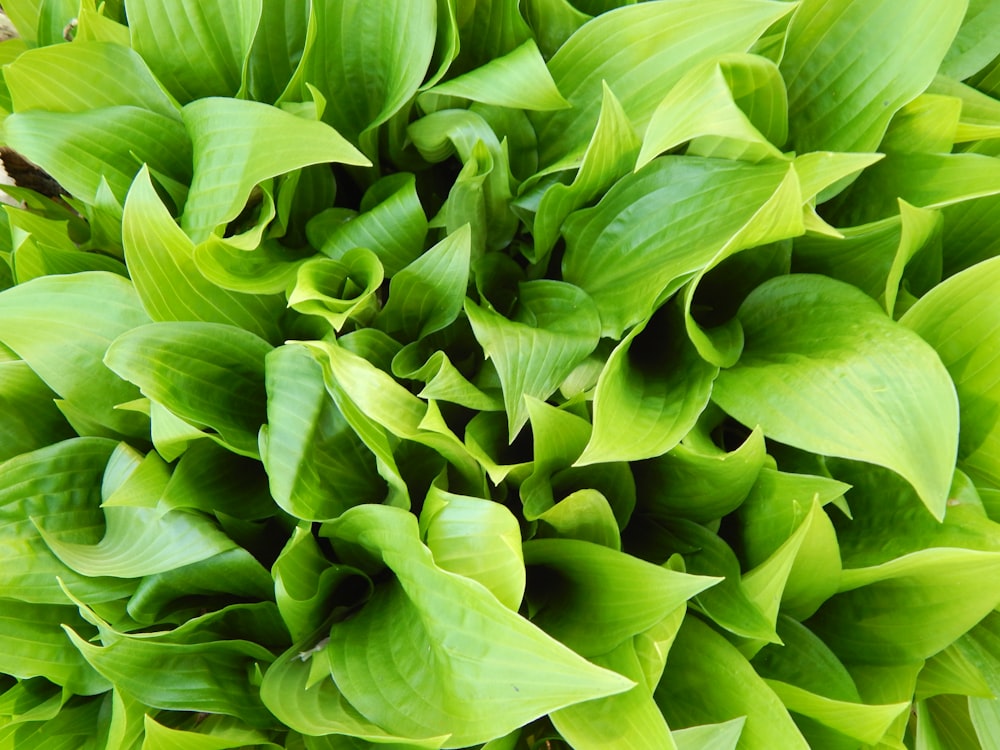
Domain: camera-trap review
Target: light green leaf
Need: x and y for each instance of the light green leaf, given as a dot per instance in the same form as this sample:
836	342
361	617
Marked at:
82	76
959	318
698	207
316	464
697	479
196	49
140	539
229	162
645	404
703	103
627	721
776	507
846	76
950	672
465	664
722	736
161	264
861	722
641	51
160	737
593	598
277	48
62	326
873	257
826	352
708	681
985	716
339	291
908	608
921	179
475	538
308	587
391	224
427	295
518	79
80	149
209	374
553	327
585	515
976	43
609	156
444	381
382	54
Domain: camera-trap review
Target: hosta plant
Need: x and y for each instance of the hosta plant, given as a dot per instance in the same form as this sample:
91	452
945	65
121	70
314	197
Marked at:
501	374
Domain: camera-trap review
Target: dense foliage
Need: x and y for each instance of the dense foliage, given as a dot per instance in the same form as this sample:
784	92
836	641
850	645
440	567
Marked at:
536	373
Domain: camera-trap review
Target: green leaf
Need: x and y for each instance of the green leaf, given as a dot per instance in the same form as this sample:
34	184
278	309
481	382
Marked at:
627	721
609	156
229	162
339	291
427	295
82	76
277	48
708	681
391	224
80	149
209	676
207	373
698	207
195	49
31	419
846	76
518	79
958	318
593	598
697	479
820	371
908	608
160	737
165	540
161	264
641	51
316	464
976	43
722	736
650	393
59	486
62	326
465	665
553	327
382	54
475	538
704	105
360	387
306	583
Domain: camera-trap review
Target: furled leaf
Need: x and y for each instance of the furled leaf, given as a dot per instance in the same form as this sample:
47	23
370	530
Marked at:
492	670
161	264
317	467
339	291
650	393
229	162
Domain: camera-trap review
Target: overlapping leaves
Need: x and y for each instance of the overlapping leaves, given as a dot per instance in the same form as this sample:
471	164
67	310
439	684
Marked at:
500	374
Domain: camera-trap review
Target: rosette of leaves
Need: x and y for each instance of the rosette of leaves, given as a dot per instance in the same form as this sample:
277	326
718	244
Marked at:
500	374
